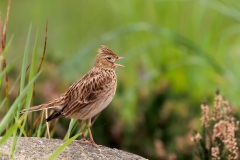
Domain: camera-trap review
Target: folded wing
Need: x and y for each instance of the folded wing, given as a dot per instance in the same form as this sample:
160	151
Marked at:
87	90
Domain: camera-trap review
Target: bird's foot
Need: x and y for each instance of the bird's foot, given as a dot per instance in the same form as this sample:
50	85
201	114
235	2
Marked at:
90	142
94	144
84	140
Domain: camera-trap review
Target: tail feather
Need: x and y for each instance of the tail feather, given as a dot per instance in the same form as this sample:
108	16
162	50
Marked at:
36	108
54	115
56	104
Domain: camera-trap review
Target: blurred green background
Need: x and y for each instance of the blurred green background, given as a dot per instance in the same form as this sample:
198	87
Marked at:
176	54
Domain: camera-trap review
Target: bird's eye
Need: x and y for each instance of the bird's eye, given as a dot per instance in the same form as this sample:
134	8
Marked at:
109	58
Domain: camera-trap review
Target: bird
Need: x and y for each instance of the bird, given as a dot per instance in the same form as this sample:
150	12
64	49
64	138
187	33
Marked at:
87	96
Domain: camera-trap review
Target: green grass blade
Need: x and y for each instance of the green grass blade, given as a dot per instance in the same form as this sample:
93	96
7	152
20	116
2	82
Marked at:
42	131
31	75
39	130
22	84
231	12
9	116
11	130
25	61
60	149
2	58
13	86
21	128
71	124
7	69
2	103
7	46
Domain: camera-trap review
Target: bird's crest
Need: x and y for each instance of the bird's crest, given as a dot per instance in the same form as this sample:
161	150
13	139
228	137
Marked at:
106	50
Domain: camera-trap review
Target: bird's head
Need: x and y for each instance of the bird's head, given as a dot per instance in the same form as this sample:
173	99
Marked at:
106	58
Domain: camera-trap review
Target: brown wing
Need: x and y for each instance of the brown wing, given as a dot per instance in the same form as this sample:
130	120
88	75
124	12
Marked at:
87	90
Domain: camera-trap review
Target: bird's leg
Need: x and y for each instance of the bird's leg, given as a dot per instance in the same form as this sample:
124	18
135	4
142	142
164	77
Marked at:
80	124
89	125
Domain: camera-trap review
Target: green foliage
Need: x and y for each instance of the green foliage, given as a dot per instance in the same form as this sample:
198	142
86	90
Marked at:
25	96
176	54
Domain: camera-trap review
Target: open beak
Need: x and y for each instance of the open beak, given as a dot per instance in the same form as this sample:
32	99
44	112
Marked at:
119	65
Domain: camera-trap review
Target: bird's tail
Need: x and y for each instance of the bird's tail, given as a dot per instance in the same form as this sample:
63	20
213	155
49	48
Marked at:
54	115
56	104
36	108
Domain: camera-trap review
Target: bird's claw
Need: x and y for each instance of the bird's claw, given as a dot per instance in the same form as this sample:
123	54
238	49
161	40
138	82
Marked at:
91	142
94	144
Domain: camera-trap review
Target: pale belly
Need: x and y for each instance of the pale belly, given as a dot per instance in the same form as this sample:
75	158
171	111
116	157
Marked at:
91	110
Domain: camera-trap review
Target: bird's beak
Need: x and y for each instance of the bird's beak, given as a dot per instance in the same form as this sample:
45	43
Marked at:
118	65
120	58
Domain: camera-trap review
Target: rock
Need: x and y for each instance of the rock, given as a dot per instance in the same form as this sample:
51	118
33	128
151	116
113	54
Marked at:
31	148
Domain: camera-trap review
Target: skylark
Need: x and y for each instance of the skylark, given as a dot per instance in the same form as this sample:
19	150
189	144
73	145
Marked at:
89	95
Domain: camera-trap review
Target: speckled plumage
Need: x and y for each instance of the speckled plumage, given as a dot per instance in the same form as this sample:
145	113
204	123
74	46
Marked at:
89	95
